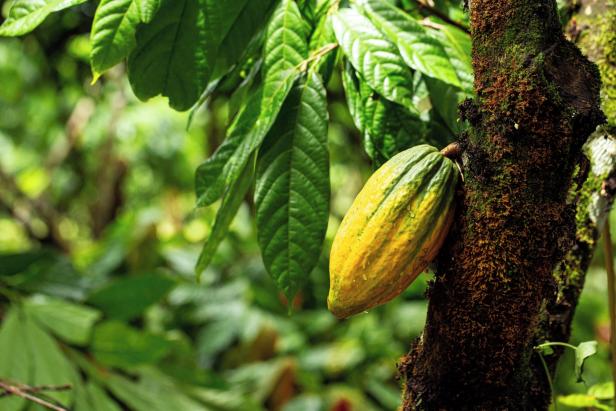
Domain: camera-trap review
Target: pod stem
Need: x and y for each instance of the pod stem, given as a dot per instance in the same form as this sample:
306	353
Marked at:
452	151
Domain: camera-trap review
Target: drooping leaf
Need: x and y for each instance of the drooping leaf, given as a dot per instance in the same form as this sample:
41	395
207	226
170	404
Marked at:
374	57
419	50
285	49
292	191
231	202
26	15
583	351
15	359
171	55
113	33
146	9
116	344
71	322
128	297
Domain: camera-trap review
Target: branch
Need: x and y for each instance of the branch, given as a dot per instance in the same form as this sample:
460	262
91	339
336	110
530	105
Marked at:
437	13
24	391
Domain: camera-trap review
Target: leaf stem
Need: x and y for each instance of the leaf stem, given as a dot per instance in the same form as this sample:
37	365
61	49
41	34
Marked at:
549	377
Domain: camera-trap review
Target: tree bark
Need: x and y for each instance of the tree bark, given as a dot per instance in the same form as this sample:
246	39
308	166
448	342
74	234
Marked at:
537	103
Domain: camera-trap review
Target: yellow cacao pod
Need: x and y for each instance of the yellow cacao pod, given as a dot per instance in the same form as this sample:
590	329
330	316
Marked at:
393	230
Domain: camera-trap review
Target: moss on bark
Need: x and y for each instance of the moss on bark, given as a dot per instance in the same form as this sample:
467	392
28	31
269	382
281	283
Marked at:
537	103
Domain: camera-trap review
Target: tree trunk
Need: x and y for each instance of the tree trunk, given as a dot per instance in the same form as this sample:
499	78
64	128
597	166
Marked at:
496	294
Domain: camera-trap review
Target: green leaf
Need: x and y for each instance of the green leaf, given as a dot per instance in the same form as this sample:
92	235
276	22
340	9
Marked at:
292	191
583	351
146	9
118	345
285	49
15	360
246	24
286	46
25	15
171	56
71	322
387	127
581	401
374	57
153	392
603	391
93	398
419	50
458	46
113	33
50	366
231	202
128	297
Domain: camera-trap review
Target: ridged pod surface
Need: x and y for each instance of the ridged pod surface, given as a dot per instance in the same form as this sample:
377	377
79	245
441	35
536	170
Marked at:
393	230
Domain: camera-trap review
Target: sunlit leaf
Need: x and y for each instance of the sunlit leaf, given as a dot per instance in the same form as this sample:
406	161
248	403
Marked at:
374	57
583	351
25	15
419	50
113	33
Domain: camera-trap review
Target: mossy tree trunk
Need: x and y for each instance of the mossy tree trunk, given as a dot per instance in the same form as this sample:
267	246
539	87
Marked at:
496	294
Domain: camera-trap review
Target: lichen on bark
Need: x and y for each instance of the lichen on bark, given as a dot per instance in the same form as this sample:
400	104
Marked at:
537	103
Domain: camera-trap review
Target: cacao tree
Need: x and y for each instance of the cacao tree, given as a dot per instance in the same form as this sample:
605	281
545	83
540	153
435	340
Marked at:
537	157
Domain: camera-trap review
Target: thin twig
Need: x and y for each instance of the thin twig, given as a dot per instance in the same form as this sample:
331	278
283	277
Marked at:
13	390
39	388
436	12
611	291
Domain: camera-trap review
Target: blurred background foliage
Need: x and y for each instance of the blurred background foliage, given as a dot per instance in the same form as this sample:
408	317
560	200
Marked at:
99	238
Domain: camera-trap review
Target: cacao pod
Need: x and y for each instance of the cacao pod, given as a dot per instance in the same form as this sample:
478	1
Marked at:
393	230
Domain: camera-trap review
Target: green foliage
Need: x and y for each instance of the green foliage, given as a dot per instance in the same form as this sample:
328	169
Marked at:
402	84
292	191
119	315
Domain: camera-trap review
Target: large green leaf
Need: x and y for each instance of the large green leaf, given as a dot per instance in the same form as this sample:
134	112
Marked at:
71	322
292	191
113	33
286	47
15	359
128	297
171	56
419	50
25	15
116	344
231	202
374	57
